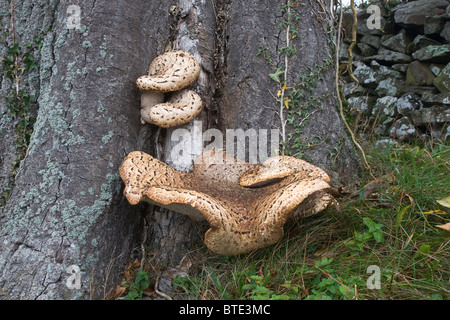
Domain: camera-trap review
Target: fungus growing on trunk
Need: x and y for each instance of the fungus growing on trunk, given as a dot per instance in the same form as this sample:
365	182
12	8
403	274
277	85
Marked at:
242	219
171	71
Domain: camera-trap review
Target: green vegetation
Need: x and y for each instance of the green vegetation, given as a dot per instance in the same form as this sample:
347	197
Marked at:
389	222
297	100
137	287
18	62
301	103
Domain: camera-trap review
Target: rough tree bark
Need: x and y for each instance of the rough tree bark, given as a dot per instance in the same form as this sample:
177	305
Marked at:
66	207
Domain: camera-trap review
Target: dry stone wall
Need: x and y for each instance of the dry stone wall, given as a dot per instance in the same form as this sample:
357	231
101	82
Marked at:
403	66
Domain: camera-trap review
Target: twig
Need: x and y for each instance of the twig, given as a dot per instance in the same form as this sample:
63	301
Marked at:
285	75
144	240
352	45
307	116
341	108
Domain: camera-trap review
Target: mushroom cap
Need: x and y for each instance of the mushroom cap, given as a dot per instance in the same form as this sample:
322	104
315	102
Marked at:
171	71
276	168
181	108
242	219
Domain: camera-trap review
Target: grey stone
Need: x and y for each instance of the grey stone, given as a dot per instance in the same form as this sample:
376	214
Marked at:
420	42
420	90
363	29
366	50
389	56
413	13
386	37
371	76
385	143
441	98
445	33
381	130
402	129
401	67
442	81
387	87
433	53
385	108
436	68
373	41
359	104
407	103
434	114
439	131
398	43
381	4
349	87
418	74
433	25
384	72
365	75
402	88
343	52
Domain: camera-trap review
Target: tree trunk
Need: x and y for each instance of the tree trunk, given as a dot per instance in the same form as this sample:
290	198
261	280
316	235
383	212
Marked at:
66	207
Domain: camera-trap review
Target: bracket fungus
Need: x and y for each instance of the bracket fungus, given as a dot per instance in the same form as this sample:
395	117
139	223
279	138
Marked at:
246	205
171	71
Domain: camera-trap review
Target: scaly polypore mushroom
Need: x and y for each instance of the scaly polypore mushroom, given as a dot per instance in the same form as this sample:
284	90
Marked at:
172	71
245	204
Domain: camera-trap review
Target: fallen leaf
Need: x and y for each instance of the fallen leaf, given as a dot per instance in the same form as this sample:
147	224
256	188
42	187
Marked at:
118	292
136	264
150	292
446	226
444	202
435	212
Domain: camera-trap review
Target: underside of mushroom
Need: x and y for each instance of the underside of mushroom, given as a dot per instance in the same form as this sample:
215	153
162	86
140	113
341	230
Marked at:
182	107
246	205
172	71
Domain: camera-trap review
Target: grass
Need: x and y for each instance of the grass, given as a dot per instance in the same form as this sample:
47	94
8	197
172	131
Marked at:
384	231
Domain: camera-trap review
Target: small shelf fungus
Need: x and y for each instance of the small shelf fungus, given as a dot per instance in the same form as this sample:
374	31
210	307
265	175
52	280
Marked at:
172	71
246	205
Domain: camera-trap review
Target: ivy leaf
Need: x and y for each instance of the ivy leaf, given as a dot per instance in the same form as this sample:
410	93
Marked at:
276	75
286	102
